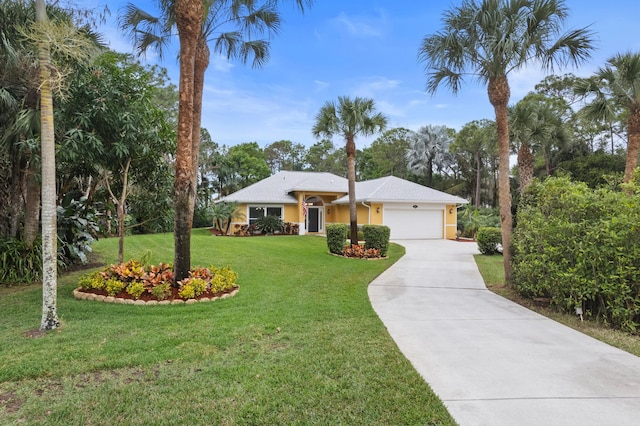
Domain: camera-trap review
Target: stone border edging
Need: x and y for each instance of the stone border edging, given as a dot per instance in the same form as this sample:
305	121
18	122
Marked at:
81	295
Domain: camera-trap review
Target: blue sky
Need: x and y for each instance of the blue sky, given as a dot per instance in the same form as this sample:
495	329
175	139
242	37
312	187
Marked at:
363	48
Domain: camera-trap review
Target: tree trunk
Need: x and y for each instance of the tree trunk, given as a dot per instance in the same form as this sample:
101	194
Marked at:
49	235
351	177
121	216
478	178
189	22
499	94
200	66
633	130
525	166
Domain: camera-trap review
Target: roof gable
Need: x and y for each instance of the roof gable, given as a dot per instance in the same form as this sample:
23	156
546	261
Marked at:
278	187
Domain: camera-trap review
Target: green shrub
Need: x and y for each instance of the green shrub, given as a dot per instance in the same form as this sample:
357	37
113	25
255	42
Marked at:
135	289
376	237
93	281
20	264
489	239
578	246
269	224
336	236
192	287
114	286
471	219
161	291
223	279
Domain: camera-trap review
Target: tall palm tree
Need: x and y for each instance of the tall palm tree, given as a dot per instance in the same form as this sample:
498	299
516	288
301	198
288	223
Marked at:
49	235
231	26
489	39
427	147
534	125
617	85
349	118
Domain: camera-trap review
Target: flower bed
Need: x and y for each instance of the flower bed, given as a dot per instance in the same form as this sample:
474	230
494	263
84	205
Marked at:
135	284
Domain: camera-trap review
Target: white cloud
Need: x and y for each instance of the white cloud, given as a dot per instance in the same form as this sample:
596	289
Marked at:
372	85
221	63
361	26
320	85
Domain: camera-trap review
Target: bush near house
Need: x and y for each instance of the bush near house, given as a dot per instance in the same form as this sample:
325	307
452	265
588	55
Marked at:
336	236
489	240
579	247
376	237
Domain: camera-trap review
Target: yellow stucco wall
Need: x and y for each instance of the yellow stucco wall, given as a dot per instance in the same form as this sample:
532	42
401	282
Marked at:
451	221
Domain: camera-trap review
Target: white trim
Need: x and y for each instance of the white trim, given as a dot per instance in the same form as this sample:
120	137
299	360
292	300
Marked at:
265	207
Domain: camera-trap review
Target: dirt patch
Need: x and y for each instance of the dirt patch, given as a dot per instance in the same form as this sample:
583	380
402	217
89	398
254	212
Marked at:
10	402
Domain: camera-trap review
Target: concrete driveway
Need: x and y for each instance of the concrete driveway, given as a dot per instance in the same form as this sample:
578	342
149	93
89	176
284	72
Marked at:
491	361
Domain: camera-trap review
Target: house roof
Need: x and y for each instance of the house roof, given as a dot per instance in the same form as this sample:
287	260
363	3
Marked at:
279	188
394	189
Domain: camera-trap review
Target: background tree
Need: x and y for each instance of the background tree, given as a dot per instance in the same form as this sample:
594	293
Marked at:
475	150
323	156
535	126
489	39
111	114
349	118
284	155
428	148
387	155
248	162
617	85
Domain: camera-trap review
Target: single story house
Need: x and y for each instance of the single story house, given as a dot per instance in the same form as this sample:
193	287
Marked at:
312	200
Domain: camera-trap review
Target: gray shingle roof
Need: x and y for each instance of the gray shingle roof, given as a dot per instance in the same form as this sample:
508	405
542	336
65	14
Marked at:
394	189
277	188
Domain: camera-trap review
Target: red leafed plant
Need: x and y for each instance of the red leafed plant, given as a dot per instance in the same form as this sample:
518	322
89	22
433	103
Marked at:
358	251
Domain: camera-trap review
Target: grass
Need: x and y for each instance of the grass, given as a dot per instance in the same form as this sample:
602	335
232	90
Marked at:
492	271
300	344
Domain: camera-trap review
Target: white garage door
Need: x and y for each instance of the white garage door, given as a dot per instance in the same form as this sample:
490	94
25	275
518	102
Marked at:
414	224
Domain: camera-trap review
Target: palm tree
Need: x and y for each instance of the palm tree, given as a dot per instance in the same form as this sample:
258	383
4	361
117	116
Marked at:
49	236
534	125
427	147
617	86
349	118
230	24
489	39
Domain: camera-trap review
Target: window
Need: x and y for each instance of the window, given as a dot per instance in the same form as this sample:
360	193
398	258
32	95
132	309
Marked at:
258	211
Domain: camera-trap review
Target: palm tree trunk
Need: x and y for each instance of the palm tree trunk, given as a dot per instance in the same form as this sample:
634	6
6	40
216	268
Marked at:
633	126
478	177
499	94
200	66
525	166
189	22
351	177
49	234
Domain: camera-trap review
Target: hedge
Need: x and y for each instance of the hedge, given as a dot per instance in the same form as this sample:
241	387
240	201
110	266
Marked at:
336	236
579	247
488	239
376	237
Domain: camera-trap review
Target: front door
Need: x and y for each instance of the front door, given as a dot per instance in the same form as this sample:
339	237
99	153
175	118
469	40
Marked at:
315	219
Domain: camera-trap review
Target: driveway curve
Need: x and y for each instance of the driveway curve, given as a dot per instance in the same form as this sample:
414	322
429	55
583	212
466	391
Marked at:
491	361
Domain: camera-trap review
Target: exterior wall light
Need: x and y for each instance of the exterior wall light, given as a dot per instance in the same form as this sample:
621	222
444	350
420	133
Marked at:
377	209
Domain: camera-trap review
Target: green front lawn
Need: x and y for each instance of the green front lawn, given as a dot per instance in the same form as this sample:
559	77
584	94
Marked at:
300	344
